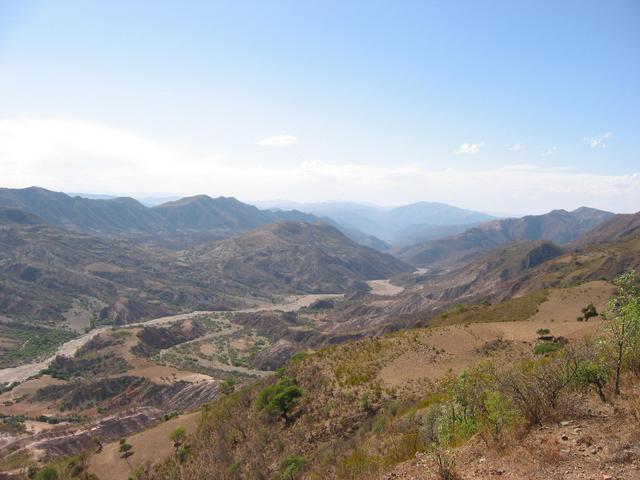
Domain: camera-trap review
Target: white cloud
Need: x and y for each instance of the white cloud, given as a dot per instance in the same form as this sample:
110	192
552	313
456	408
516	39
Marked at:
279	141
549	151
516	147
469	148
598	140
84	157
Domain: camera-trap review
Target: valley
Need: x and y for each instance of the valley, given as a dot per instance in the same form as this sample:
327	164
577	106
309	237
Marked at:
114	336
302	240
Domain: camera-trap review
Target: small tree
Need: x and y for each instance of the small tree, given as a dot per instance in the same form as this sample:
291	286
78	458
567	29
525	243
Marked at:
228	386
97	443
622	322
177	437
589	312
279	399
126	450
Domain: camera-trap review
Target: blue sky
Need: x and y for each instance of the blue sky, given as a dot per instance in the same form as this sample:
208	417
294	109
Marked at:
497	105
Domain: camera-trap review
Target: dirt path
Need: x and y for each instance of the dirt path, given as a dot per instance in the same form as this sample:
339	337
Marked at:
22	372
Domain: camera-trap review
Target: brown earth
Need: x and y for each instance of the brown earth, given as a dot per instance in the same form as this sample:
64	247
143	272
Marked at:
150	445
594	441
459	346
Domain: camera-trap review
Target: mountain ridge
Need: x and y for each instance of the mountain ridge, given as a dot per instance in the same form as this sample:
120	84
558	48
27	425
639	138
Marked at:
559	226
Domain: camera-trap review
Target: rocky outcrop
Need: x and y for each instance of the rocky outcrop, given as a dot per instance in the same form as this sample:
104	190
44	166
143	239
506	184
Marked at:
275	355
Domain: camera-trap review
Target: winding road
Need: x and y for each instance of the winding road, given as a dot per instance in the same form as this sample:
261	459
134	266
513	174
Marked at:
68	349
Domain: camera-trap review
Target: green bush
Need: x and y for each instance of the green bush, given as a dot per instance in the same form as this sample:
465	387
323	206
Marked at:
47	473
228	386
279	399
544	348
291	465
589	312
298	357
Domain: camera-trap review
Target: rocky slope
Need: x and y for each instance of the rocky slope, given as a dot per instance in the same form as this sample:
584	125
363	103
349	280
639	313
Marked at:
297	257
46	270
558	226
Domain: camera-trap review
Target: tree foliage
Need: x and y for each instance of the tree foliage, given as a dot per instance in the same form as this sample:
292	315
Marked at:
622	322
278	399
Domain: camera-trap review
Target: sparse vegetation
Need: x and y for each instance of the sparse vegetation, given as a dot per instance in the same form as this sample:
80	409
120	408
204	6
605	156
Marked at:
34	342
484	401
511	310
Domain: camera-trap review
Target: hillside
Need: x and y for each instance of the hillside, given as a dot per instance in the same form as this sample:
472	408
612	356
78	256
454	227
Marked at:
400	405
365	404
614	229
49	273
296	256
558	226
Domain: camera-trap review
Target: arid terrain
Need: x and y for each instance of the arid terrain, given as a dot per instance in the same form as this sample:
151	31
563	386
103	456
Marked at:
360	349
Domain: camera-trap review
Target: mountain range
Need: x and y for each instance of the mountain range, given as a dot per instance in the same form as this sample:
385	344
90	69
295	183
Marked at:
402	224
558	226
47	271
121	261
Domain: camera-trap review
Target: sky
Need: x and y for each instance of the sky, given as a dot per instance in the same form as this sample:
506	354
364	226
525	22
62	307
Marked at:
499	106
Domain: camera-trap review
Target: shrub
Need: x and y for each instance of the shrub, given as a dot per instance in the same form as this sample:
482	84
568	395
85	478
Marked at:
291	465
178	436
589	311
590	373
228	386
47	473
279	399
498	415
543	332
445	463
298	357
365	403
544	348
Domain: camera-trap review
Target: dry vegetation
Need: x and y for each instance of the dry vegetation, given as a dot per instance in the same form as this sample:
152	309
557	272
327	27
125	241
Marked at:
333	415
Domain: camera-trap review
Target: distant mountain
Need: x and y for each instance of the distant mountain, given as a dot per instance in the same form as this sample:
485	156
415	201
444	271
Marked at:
617	227
423	233
296	256
47	271
176	224
389	223
558	226
83	214
202	212
199	218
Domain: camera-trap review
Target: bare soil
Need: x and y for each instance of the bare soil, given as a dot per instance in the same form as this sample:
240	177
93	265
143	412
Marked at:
150	445
455	347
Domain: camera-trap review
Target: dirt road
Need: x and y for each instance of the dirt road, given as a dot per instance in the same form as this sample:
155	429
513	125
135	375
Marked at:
21	373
